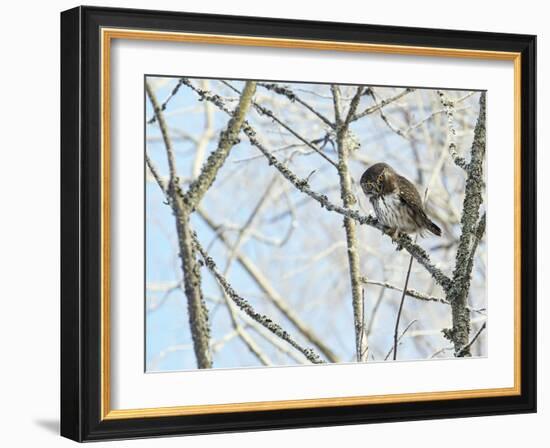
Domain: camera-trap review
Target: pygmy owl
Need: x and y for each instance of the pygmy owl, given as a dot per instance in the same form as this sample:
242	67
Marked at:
396	201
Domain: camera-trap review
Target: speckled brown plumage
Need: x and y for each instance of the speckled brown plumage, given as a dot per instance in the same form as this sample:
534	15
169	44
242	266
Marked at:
396	201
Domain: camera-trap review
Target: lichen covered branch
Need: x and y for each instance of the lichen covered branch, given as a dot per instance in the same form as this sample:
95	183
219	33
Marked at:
449	107
228	138
471	231
196	306
416	294
247	308
345	146
381	104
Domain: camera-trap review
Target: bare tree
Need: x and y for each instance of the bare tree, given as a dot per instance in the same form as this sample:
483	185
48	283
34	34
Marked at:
276	223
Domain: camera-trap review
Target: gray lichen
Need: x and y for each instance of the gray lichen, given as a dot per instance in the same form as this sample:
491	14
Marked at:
473	198
247	308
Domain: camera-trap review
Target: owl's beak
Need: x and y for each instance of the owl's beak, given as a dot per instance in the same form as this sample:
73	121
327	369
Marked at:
368	191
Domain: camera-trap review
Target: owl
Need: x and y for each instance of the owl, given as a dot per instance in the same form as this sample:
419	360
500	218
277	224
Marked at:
396	202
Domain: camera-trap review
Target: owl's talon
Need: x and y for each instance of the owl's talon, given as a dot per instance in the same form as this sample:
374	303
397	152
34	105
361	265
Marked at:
393	233
395	236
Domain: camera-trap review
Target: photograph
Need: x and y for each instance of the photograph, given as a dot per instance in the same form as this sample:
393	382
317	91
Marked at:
272	223
294	223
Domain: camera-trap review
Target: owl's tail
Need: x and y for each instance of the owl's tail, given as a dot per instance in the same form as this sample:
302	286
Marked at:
432	227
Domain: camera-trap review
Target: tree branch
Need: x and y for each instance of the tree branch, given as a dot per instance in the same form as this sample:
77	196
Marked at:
386	120
416	294
398	318
473	198
262	110
207	135
382	104
196	307
479	232
252	346
345	147
156	174
164	131
228	138
162	108
466	349
398	341
286	91
271	293
449	108
245	306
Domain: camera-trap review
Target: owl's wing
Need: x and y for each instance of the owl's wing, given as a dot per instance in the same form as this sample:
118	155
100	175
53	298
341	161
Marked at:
408	194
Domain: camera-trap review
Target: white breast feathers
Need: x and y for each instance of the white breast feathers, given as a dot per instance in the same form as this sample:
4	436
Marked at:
391	212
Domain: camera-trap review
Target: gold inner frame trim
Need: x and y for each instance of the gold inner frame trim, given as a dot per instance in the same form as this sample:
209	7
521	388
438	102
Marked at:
107	35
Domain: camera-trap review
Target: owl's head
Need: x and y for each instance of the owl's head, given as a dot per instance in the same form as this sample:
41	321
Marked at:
378	179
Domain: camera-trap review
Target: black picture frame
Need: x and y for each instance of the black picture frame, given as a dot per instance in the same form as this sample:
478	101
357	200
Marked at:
81	224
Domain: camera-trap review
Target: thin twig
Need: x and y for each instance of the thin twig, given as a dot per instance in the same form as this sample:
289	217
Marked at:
156	174
382	104
164	131
399	339
403	295
410	292
286	91
386	120
363	336
374	311
466	348
247	339
416	294
279	344
243	231
162	108
262	110
479	232
449	108
419	123
207	135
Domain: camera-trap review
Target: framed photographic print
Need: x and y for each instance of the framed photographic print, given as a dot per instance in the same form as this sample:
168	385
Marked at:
270	223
